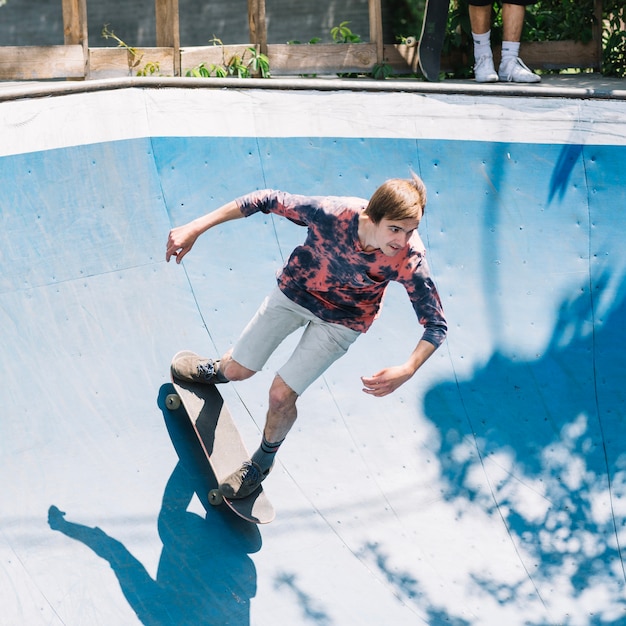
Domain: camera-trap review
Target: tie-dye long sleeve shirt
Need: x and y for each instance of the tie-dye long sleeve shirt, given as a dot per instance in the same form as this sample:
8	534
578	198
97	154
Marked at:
333	277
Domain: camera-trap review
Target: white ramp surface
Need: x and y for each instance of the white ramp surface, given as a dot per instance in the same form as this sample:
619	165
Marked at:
488	490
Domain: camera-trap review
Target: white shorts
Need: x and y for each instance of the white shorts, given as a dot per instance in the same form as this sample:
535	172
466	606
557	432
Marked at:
321	344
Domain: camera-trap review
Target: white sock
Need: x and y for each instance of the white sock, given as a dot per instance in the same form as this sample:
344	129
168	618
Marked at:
510	49
482	44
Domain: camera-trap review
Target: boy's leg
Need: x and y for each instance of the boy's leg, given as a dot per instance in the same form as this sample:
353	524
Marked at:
232	370
281	416
320	345
268	328
272	323
281	412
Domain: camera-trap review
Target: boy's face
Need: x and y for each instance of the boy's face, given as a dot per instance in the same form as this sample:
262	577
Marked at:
393	235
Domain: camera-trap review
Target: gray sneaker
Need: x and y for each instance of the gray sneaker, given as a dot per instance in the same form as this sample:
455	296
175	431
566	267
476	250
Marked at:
246	480
189	366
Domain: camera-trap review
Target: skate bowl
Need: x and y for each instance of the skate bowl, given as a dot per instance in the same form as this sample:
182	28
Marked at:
489	489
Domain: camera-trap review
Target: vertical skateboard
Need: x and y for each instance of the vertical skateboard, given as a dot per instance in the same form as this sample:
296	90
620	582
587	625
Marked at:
222	445
431	40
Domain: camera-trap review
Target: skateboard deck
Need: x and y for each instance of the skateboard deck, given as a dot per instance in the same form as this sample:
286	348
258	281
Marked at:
222	445
431	40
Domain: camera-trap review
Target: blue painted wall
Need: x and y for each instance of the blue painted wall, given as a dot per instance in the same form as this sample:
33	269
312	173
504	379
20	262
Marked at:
526	245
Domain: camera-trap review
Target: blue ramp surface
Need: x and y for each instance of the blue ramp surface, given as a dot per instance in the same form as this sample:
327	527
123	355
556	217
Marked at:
489	489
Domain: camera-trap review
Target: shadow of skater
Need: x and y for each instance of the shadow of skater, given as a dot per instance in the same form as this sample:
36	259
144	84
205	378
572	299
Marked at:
205	575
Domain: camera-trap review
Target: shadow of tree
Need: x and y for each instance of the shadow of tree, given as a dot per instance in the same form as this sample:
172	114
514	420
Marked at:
311	611
205	575
537	444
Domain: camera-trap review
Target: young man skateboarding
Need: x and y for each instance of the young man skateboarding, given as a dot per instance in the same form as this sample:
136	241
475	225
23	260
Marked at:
332	285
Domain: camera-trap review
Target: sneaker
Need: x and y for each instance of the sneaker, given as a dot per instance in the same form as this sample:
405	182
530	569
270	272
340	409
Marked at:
189	366
246	480
514	70
484	71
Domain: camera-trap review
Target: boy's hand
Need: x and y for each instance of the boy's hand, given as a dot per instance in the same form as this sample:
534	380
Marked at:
179	242
386	381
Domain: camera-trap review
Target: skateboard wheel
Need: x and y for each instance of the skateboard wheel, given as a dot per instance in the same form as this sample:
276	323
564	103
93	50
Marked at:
172	401
215	497
410	42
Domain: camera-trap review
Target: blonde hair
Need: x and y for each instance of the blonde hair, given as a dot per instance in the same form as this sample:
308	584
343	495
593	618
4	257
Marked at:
398	199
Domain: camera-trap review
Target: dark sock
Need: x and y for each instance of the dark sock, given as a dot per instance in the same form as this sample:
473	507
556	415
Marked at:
264	456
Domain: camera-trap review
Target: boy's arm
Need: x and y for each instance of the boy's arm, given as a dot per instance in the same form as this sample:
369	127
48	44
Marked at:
389	379
181	239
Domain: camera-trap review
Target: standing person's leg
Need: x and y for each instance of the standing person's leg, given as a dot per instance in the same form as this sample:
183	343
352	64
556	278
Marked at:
512	21
480	20
512	68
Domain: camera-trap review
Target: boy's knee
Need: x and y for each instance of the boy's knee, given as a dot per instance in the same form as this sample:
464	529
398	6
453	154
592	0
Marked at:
234	370
282	396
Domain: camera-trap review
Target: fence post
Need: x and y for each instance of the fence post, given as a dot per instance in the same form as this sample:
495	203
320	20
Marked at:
75	27
376	28
168	29
257	24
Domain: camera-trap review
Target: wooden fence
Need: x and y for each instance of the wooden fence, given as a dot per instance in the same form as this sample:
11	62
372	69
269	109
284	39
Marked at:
76	60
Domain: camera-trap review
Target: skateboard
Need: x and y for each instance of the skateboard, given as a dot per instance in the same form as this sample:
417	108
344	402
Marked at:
222	445
431	40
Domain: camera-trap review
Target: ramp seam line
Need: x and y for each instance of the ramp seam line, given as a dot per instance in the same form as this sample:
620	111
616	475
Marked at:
490	485
605	453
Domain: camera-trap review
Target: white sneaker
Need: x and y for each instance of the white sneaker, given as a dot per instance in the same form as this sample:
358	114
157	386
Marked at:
484	71
514	70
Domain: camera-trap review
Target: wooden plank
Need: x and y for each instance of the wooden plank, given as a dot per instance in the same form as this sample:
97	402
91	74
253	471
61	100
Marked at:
168	29
46	62
405	60
318	58
551	55
401	58
216	55
289	59
41	62
116	62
